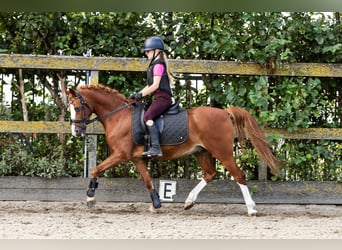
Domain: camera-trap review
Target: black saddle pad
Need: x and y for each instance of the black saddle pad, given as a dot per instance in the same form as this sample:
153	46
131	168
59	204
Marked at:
173	127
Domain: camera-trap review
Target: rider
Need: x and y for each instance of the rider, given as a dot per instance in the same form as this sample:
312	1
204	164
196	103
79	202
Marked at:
159	81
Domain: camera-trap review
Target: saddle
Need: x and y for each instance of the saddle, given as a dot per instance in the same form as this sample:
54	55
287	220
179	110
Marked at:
172	125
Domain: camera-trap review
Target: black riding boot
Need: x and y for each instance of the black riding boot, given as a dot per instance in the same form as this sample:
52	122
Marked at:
154	149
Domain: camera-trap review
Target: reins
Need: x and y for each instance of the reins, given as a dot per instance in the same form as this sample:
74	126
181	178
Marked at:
97	118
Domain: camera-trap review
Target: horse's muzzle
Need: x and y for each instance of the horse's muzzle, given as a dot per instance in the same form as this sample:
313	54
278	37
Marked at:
78	131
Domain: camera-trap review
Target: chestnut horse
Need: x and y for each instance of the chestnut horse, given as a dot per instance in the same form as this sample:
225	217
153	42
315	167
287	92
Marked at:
211	134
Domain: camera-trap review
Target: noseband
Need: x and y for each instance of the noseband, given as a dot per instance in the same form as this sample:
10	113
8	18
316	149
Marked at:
84	120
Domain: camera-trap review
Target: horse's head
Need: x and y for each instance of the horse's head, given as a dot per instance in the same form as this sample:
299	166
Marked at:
79	112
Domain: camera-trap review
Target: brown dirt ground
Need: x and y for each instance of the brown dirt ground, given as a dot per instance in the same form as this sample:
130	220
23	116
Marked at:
112	220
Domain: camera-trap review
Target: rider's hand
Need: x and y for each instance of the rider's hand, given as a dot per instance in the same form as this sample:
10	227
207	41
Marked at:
136	96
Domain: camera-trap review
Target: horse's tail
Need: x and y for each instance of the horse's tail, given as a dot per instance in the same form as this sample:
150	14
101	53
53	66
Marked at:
243	120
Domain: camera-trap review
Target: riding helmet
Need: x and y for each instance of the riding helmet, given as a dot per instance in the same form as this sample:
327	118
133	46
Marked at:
153	42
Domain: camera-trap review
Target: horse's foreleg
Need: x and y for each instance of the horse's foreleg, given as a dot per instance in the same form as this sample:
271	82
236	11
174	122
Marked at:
93	184
155	199
142	168
91	192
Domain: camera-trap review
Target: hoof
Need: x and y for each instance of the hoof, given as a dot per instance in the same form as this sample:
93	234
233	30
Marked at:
188	205
91	202
254	214
152	209
251	210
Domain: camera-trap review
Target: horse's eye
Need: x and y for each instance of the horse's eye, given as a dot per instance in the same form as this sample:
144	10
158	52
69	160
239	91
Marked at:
77	109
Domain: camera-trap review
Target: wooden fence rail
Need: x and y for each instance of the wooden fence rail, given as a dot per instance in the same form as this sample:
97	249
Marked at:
49	127
178	66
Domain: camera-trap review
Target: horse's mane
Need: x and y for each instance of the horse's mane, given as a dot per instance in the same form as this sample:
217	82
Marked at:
103	88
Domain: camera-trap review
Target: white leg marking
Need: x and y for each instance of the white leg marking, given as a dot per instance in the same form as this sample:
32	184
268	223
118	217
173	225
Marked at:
72	116
152	209
192	197
248	200
89	199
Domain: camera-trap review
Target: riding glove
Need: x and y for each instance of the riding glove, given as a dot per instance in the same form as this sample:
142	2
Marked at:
136	96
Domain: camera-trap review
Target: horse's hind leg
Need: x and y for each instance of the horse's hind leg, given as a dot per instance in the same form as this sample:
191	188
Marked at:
205	160
248	200
228	161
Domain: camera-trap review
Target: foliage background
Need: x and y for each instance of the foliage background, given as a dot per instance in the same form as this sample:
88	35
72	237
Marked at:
268	38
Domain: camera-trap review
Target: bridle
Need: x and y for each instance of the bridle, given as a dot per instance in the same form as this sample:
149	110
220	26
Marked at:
84	121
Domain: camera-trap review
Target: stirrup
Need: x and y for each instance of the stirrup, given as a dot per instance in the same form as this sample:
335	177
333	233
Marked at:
152	153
